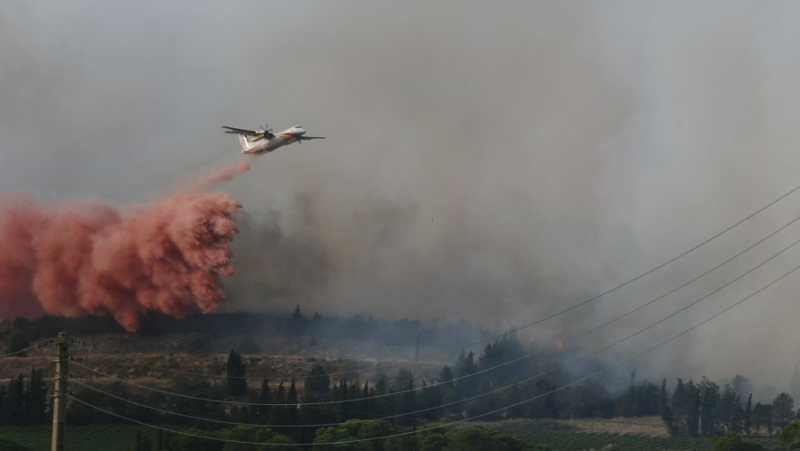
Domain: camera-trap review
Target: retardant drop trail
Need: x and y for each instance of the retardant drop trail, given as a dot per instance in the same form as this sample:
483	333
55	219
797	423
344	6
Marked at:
86	257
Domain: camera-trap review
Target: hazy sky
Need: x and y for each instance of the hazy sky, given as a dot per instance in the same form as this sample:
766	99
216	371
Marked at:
494	162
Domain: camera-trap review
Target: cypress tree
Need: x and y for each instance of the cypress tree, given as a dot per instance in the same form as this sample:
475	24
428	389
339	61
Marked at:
279	412
693	418
264	398
678	403
367	406
236	372
514	396
317	380
550	405
36	399
291	398
13	412
630	408
748	414
666	412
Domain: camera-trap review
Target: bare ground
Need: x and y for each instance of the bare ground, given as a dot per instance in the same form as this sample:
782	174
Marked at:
159	360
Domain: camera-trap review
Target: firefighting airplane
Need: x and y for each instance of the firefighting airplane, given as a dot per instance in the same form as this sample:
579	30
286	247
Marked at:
262	141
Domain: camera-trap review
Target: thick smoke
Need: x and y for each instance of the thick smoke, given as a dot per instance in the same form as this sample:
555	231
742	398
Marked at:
84	257
492	164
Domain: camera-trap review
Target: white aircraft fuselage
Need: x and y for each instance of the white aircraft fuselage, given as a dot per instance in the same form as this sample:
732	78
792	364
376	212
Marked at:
263	145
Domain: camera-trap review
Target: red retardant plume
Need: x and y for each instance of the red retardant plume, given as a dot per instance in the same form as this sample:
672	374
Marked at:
89	258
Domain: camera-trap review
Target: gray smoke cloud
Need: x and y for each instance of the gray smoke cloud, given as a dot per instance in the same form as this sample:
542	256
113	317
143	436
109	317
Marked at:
489	162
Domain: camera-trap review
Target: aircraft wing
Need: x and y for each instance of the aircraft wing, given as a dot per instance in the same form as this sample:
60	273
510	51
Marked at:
304	138
241	131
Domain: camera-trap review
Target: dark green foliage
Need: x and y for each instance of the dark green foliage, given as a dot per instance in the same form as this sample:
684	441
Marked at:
279	411
545	404
35	399
142	443
693	417
8	445
14	402
570	440
297	324
589	399
432	441
200	388
476	438
466	438
790	436
240	434
79	437
355	430
630	405
679	400
290	411
782	409
446	376
24	402
236	372
464	367
733	442
15	339
404	402
748	415
709	414
504	357
264	397
485	407
317	380
666	411
730	410
513	400
763	418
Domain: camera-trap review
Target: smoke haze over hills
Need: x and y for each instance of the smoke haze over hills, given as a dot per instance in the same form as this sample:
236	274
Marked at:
493	163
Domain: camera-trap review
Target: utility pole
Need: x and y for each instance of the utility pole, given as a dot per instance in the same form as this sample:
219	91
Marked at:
60	392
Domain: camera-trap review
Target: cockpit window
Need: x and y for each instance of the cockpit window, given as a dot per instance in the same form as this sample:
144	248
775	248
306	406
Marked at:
298	126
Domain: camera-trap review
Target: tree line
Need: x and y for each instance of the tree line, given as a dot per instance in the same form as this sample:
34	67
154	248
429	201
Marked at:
399	332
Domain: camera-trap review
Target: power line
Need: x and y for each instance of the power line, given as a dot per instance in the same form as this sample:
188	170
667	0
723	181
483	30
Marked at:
192	417
21	351
491	368
446	425
624	284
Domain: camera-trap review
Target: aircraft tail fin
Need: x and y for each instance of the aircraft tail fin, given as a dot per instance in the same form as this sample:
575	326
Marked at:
245	143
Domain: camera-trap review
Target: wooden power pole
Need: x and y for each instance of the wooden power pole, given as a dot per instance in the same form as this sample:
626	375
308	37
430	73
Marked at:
60	392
